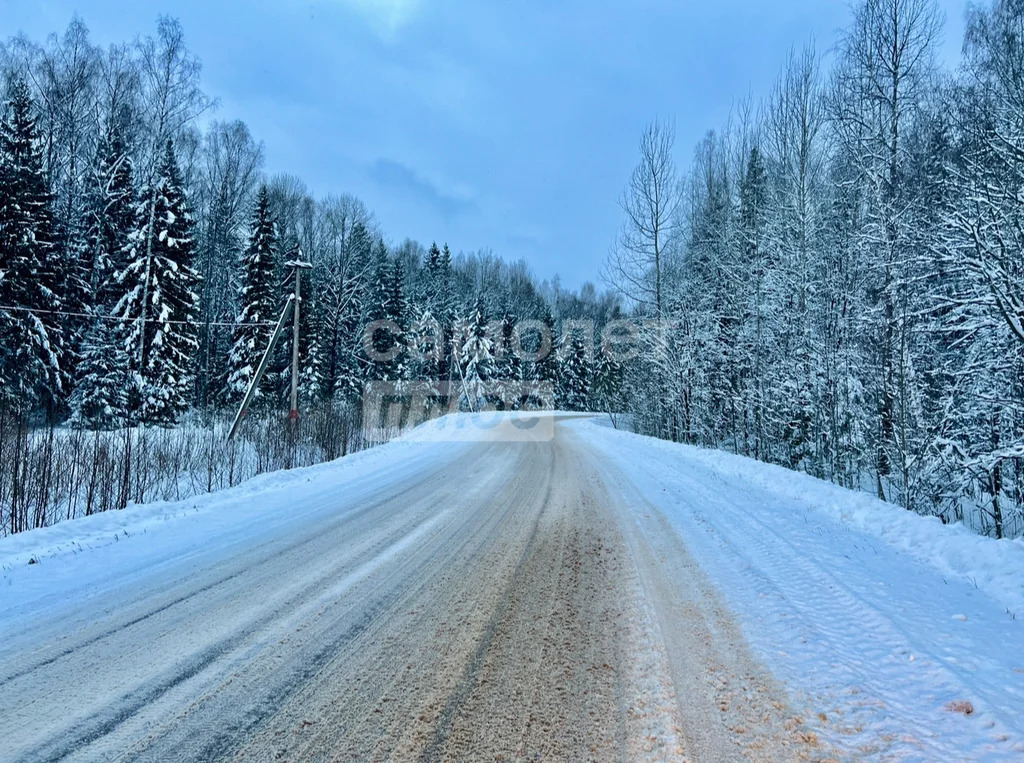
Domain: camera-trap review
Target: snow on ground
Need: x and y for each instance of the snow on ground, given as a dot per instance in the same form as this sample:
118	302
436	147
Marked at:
885	622
888	624
79	558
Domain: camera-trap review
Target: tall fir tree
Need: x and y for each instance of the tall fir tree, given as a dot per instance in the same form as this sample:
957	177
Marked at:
314	386
345	294
32	342
383	360
754	268
425	338
509	364
576	375
398	312
74	260
161	301
546	366
431	281
111	215
348	375
445	313
446	307
100	398
477	360
259	303
609	377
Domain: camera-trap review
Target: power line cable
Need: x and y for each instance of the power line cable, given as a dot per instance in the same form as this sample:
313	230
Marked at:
229	324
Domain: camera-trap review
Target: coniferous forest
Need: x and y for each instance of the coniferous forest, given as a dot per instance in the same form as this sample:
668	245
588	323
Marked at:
833	282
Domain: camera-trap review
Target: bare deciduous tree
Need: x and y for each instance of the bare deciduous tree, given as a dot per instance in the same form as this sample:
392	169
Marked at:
650	203
886	70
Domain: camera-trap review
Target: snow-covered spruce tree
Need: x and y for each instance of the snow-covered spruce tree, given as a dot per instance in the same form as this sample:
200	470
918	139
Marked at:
398	314
384	362
100	398
161	301
446	302
314	387
111	215
344	286
608	380
476	360
753	336
445	310
31	339
72	256
348	375
509	369
576	376
510	365
546	366
259	303
426	343
425	337
429	295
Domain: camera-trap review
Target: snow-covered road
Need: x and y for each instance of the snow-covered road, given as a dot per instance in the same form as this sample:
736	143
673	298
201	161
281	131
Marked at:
598	595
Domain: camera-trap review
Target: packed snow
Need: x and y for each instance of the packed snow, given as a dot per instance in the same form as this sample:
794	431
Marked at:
907	635
899	636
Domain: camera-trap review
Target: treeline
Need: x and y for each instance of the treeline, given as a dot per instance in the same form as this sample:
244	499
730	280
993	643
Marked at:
144	256
841	269
144	262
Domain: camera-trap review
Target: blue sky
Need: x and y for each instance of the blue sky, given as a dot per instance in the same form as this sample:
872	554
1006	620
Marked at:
507	125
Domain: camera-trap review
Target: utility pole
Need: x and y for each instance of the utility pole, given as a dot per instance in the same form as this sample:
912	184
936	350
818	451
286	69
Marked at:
261	369
293	303
297	265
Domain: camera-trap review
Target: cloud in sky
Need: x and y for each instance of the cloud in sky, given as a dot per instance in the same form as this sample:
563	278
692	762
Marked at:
479	122
386	16
395	176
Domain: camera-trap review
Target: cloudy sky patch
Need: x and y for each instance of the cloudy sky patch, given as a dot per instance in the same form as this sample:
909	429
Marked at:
503	125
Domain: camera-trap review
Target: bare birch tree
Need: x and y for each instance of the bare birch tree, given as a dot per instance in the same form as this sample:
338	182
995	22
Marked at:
650	202
886	70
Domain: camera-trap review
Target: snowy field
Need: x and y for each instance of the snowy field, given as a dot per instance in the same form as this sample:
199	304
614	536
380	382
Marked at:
902	637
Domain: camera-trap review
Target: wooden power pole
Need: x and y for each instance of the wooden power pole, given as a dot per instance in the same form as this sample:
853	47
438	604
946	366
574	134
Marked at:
297	266
294	302
261	369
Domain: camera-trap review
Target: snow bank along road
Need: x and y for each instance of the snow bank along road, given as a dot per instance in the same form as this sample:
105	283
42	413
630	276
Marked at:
502	601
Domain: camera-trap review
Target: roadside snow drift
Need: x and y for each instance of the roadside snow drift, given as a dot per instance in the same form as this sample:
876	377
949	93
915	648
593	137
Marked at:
907	636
